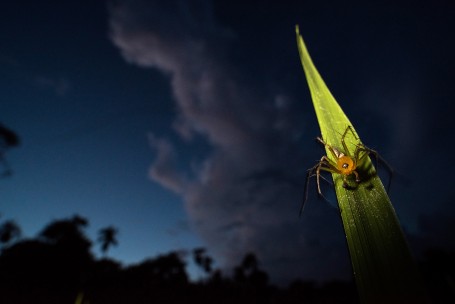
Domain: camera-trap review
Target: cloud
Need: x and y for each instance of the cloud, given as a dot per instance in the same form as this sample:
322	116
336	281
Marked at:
245	195
164	168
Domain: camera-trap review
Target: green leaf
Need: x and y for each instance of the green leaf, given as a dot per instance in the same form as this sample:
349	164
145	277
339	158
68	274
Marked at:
383	267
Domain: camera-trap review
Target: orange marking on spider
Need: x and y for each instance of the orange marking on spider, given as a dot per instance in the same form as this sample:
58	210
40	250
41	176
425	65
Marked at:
345	163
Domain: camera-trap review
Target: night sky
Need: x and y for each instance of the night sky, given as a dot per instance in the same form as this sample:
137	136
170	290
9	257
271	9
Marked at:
189	123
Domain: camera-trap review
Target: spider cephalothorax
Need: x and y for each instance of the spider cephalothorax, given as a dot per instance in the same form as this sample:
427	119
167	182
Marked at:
344	162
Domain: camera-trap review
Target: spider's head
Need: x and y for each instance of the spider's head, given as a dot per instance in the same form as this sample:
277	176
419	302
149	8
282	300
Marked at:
345	164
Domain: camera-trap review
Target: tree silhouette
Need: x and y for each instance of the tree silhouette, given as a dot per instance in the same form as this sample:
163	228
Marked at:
68	235
62	230
203	260
57	267
249	272
8	139
9	230
167	269
107	237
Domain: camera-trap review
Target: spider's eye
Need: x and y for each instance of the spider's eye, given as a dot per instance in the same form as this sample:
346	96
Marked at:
345	166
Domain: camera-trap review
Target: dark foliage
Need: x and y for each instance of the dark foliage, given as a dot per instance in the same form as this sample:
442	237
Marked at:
8	139
57	267
203	260
9	231
107	238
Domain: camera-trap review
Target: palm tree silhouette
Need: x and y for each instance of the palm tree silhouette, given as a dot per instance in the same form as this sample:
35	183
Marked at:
107	237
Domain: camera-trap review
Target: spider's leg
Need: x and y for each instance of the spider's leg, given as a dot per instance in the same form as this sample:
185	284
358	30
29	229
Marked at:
305	191
345	182
315	171
378	159
361	148
326	180
388	168
357	178
349	128
307	183
343	142
329	168
331	149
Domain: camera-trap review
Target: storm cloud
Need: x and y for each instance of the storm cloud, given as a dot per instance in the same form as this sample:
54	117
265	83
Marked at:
245	194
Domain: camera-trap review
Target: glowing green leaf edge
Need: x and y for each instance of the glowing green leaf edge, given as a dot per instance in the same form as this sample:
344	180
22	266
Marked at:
383	268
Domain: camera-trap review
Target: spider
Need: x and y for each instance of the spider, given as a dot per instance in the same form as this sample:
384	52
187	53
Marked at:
345	163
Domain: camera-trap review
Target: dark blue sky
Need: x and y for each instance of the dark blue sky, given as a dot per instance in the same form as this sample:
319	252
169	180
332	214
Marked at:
190	124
